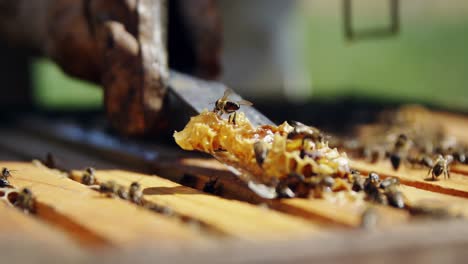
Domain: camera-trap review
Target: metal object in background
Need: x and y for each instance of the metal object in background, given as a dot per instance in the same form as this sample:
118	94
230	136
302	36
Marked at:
200	95
352	35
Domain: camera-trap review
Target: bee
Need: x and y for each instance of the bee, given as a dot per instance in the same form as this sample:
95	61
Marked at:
327	181
369	219
232	118
50	161
356	179
210	186
459	156
394	197
112	190
224	106
122	193
6	173
321	184
421	159
389	182
402	141
309	152
261	152
374	195
4	182
301	131
373	179
441	165
426	161
395	159
25	201
371	189
134	193
159	209
400	151
88	177
293	186
373	153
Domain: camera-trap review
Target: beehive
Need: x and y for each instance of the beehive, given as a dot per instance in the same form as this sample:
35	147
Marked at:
74	222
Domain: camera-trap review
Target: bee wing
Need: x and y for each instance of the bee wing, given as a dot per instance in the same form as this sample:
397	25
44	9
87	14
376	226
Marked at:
245	102
226	94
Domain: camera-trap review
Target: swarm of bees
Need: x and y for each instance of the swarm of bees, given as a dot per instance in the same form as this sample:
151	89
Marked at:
302	181
285	160
410	140
111	189
296	160
383	192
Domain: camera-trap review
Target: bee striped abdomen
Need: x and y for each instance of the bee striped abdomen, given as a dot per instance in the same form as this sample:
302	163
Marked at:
231	107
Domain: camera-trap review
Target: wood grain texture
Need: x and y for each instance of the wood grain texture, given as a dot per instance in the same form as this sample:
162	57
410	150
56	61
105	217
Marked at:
459	168
231	217
415	196
346	213
13	222
90	217
418	243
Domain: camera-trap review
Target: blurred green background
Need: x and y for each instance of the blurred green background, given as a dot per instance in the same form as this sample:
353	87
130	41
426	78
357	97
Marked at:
55	90
426	63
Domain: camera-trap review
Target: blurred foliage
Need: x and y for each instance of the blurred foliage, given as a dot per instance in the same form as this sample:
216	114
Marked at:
55	90
426	63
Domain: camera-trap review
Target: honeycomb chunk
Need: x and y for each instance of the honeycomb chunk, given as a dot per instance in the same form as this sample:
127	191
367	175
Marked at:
232	142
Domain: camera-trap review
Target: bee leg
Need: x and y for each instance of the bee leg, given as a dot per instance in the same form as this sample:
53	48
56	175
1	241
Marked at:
447	172
232	118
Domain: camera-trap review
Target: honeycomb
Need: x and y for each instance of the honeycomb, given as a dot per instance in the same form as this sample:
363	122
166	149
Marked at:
232	141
